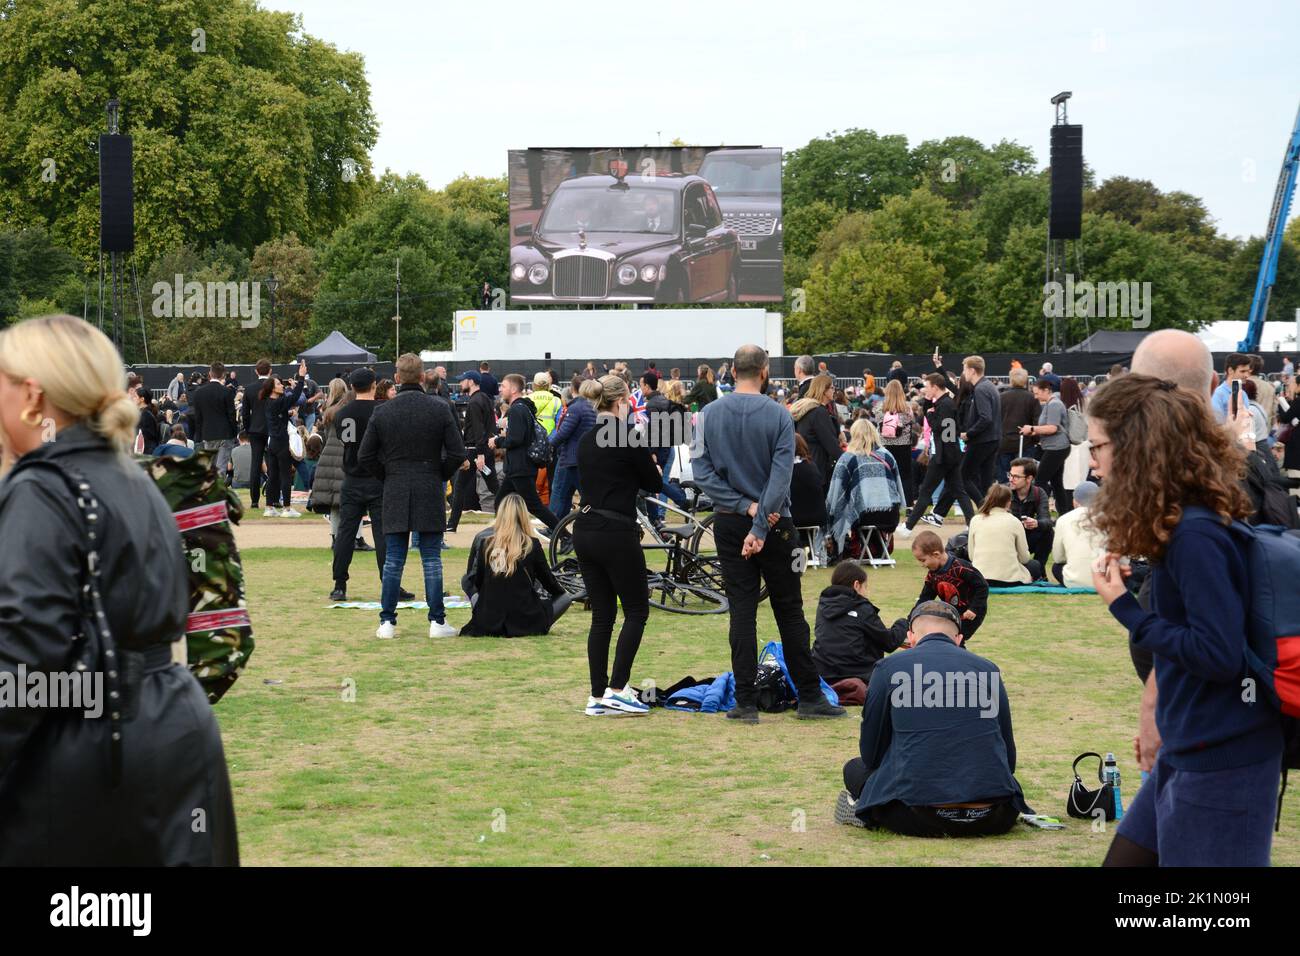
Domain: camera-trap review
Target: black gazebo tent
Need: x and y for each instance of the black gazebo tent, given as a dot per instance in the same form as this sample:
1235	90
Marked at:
338	349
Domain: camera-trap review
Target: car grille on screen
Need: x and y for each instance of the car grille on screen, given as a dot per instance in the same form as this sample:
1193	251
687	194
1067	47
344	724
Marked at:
749	224
581	277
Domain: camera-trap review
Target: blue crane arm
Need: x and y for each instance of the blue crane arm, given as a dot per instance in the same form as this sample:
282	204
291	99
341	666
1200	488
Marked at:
1273	242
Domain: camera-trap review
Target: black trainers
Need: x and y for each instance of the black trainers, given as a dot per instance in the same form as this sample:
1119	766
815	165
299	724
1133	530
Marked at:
820	708
339	594
362	545
405	595
844	812
744	714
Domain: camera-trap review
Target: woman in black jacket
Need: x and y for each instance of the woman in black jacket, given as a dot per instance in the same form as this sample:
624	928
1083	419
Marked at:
70	794
813	420
279	463
607	541
506	568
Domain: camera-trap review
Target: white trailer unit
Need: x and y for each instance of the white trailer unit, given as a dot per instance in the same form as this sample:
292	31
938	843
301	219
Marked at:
604	333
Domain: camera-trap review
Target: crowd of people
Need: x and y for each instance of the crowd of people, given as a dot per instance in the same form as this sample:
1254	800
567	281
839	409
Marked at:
1126	488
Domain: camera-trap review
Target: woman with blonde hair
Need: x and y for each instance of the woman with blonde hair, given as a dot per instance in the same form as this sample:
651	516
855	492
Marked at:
997	543
896	425
819	426
865	491
704	390
506	573
92	576
327	480
607	541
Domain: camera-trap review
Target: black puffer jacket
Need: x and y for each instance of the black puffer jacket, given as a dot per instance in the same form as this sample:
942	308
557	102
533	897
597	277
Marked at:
851	637
327	485
56	808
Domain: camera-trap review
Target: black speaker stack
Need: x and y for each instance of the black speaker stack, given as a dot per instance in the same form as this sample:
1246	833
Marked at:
116	194
1066	216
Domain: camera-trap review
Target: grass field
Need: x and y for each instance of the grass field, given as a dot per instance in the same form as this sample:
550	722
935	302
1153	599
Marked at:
475	750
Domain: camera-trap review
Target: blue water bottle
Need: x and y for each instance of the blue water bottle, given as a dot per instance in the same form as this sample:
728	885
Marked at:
1111	774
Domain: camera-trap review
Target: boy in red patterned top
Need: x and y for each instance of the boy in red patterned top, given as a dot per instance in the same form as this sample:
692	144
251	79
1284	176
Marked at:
950	579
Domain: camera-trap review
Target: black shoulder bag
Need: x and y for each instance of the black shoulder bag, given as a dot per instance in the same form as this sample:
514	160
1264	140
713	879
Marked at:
1083	803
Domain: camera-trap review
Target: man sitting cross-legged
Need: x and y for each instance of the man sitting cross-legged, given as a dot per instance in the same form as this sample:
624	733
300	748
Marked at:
952	773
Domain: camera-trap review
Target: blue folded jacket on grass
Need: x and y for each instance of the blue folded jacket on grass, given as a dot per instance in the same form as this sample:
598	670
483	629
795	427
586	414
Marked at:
717	697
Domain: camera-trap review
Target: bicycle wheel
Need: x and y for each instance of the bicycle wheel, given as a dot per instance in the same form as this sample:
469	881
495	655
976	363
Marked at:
681	598
709	565
561	549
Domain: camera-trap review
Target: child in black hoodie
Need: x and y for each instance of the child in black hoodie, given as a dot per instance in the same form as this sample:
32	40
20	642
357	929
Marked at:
851	637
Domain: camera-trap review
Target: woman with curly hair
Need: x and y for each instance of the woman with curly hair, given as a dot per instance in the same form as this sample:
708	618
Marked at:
1171	486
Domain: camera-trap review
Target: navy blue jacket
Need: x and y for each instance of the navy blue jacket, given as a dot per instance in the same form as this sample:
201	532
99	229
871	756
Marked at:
1196	629
926	755
579	418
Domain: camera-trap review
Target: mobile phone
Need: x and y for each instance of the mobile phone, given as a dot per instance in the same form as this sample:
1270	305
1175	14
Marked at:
1236	390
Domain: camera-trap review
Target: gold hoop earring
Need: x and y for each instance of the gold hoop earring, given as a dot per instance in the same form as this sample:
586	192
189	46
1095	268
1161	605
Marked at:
31	417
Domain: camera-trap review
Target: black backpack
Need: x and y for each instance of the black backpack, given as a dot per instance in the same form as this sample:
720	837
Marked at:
539	449
1273	503
774	694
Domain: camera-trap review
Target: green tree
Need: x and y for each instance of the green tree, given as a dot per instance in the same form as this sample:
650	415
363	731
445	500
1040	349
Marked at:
875	296
854	170
961	169
240	132
1015	201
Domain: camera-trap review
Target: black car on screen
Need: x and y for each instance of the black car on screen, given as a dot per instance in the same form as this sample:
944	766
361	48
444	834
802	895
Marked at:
747	183
618	238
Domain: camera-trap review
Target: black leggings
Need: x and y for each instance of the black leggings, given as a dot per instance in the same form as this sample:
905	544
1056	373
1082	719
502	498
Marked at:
613	569
279	477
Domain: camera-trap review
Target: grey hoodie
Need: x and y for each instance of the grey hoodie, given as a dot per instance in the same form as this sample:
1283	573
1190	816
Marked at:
744	453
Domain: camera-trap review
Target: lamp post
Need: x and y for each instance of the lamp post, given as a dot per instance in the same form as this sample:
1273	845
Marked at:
272	284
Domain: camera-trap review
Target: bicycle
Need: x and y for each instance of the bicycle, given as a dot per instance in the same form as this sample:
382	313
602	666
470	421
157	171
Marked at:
687	584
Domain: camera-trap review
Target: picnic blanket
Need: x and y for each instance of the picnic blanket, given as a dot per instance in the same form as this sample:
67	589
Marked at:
1041	589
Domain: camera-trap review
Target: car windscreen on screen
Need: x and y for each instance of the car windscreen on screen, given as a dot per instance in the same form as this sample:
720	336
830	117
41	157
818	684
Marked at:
672	225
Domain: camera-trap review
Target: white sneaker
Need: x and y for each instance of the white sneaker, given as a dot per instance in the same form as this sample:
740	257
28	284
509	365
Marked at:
903	532
290	513
271	513
595	708
623	704
387	631
934	519
442	630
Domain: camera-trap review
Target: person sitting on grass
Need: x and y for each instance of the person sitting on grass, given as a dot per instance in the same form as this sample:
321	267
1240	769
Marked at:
1078	544
953	580
850	636
953	772
506	566
996	543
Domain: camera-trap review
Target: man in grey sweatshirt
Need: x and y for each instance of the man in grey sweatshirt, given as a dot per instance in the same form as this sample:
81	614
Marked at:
743	459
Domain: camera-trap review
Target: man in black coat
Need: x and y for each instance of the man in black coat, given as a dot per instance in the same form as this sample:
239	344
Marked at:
480	425
946	459
213	407
413	446
520	474
982	434
253	418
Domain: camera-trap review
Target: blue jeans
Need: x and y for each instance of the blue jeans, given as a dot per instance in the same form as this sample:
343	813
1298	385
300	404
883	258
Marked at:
562	489
675	493
1206	817
430	546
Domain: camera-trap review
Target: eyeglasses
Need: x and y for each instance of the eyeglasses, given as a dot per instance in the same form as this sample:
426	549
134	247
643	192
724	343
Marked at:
1014	477
1099	445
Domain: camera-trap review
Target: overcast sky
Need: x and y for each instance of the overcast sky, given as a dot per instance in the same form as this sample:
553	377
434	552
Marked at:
1194	96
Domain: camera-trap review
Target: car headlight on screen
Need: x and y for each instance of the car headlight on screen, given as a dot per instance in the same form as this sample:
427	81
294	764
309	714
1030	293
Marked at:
649	273
538	274
518	271
626	274
778	225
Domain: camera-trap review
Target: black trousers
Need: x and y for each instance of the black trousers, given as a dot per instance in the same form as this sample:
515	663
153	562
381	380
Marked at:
899	818
465	492
1035	568
1051	468
1058	572
526	487
977	471
1040	543
903	456
359	497
613	570
279	477
258	444
774	565
950	475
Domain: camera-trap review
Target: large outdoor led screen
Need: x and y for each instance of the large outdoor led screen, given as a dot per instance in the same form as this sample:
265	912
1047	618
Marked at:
670	224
